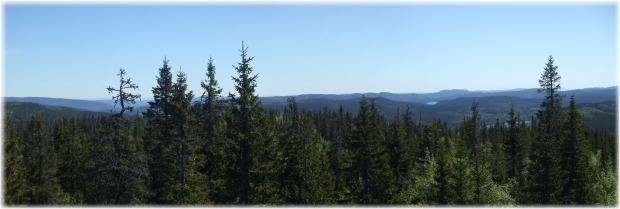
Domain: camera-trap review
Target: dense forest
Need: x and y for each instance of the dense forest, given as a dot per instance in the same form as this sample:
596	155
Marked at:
225	151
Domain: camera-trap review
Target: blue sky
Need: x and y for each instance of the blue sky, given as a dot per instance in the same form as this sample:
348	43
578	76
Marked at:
75	51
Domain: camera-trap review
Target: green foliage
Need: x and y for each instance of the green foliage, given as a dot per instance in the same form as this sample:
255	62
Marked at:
546	168
115	165
371	167
502	195
16	189
306	178
41	163
424	190
574	157
212	150
401	149
253	175
169	139
234	152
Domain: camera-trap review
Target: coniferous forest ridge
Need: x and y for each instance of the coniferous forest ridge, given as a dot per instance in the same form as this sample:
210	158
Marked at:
231	150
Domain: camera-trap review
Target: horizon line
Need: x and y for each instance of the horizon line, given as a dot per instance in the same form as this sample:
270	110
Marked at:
501	90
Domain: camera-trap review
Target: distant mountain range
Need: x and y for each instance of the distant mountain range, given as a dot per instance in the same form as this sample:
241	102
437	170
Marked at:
450	106
583	95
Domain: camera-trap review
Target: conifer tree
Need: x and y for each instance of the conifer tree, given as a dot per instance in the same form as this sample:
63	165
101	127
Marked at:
461	185
498	163
483	185
254	171
411	133
182	148
545	168
401	153
339	156
472	127
307	177
115	165
371	164
41	162
124	98
17	190
513	146
159	139
575	153
69	144
169	143
212	145
602	187
425	190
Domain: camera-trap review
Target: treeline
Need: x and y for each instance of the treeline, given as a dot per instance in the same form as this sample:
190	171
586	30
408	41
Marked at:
232	151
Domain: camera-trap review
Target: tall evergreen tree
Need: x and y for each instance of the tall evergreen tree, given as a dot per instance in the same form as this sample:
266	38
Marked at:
254	167
401	153
472	127
371	166
182	147
545	169
307	177
213	145
159	139
513	146
339	156
575	152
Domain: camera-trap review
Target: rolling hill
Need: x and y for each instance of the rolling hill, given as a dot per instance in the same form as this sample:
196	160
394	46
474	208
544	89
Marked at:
598	105
23	111
73	103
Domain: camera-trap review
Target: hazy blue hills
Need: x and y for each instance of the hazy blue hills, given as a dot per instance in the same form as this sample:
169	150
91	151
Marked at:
585	95
598	105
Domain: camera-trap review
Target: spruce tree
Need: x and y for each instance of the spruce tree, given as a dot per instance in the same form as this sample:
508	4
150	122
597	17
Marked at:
371	166
159	139
425	189
17	190
307	177
70	146
254	171
182	148
41	162
513	146
575	152
472	127
115	165
401	153
460	184
545	169
339	157
213	146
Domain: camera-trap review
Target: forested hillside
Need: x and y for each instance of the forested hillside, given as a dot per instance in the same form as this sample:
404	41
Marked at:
235	151
601	115
597	115
23	111
57	102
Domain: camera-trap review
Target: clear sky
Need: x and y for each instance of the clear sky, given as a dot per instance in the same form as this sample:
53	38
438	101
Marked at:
75	51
